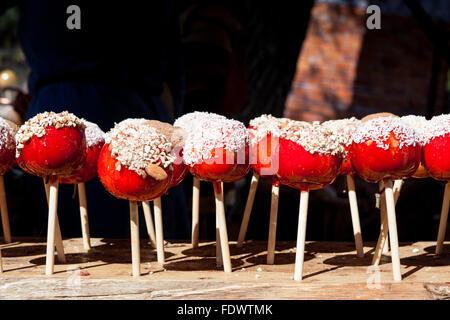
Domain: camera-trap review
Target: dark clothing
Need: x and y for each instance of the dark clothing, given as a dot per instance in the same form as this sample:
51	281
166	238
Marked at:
113	68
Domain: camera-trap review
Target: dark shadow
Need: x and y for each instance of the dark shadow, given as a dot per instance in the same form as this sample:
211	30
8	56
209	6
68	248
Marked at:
331	247
351	260
250	248
321	272
209	250
426	260
21	251
204	264
432	249
280	259
110	251
71	259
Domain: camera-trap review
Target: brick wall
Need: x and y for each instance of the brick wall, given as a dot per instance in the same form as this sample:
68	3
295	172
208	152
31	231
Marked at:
345	69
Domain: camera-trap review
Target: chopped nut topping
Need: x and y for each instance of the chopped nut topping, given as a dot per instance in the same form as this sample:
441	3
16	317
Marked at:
265	124
36	126
314	137
136	145
212	132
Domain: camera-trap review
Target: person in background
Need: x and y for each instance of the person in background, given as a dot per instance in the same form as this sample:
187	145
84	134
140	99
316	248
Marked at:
123	62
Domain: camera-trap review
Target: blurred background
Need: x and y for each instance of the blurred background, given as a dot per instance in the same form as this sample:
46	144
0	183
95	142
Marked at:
307	60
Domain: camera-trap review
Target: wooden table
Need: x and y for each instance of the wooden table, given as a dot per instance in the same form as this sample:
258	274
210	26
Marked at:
332	271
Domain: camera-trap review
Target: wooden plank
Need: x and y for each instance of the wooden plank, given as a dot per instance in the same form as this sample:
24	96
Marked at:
331	271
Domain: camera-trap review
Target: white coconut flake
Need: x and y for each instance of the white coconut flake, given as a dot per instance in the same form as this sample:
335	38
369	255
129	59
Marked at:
94	135
191	120
135	146
343	129
379	130
313	137
212	133
7	133
438	126
419	124
36	126
263	125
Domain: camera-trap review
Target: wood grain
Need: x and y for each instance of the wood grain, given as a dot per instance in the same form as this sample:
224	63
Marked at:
331	271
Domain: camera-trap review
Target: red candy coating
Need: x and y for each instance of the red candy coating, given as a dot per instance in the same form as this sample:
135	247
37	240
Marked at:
436	157
128	184
59	152
347	167
180	170
374	164
89	169
264	156
7	160
301	169
212	171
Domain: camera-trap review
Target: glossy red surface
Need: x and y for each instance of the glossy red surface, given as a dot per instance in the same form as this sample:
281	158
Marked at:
179	168
303	170
59	152
436	157
264	156
346	167
7	160
127	184
89	169
374	164
226	171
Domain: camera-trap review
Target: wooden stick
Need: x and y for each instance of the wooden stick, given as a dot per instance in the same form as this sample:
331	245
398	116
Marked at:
248	209
355	215
301	235
443	221
383	243
4	212
392	225
84	216
59	242
149	223
219	260
1	261
58	237
220	213
195	211
159	230
382	238
135	245
273	223
398	184
52	216
397	188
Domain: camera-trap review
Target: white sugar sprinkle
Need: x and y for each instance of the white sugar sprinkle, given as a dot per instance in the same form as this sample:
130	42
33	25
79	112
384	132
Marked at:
214	132
36	126
343	129
94	135
313	137
438	126
379	130
263	125
6	136
419	124
136	146
191	120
